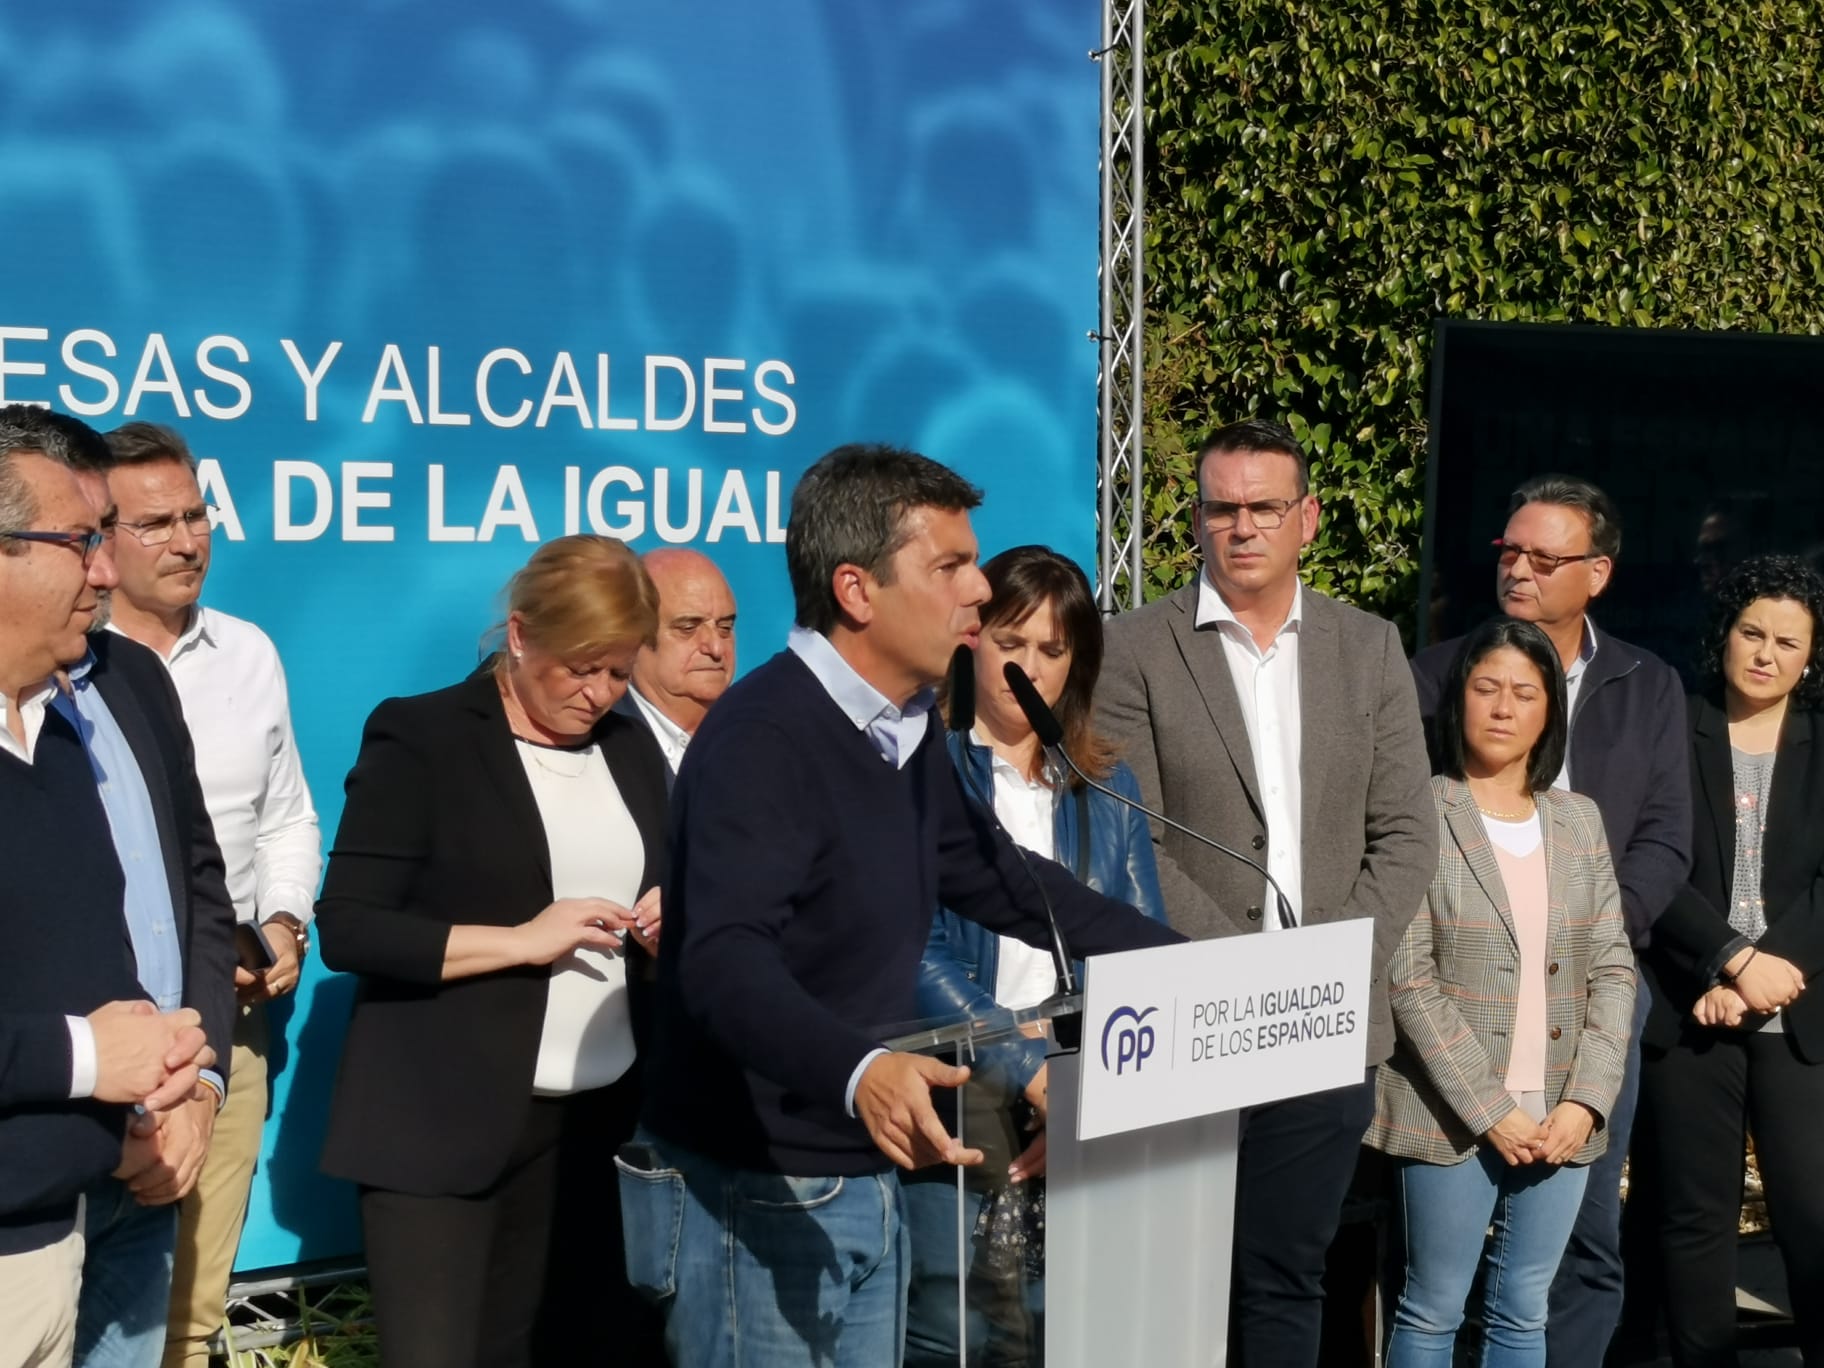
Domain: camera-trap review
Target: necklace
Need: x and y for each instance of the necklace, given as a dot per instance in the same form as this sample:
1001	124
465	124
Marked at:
1519	816
566	762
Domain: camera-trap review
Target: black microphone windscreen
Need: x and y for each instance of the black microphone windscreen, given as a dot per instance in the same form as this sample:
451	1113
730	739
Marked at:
962	690
1044	721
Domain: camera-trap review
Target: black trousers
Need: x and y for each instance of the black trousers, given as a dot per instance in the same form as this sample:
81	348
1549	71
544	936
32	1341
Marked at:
1699	1098
530	1271
1293	1171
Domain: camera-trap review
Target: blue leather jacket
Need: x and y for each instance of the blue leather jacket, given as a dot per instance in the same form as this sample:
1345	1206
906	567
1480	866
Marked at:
956	979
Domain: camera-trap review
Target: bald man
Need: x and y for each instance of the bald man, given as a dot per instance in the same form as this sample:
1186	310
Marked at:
675	681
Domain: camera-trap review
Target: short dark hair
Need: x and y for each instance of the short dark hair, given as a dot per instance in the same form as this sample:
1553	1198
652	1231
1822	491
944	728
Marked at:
142	443
1765	577
1571	491
1530	640
1255	434
26	429
851	508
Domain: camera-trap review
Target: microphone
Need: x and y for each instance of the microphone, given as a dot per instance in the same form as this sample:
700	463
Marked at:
962	719
1050	732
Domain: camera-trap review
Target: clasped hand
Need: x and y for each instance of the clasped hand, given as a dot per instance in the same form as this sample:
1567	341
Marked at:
1761	984
1519	1139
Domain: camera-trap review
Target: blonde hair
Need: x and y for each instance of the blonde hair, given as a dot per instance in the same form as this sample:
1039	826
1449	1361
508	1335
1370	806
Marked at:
579	596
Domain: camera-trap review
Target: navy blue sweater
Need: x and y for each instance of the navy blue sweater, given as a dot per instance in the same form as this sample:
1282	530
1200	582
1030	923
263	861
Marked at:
805	872
64	951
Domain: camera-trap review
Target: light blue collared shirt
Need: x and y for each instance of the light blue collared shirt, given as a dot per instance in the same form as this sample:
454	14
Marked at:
894	732
151	920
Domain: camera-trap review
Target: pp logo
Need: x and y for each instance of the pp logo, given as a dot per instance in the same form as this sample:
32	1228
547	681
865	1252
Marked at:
1133	1042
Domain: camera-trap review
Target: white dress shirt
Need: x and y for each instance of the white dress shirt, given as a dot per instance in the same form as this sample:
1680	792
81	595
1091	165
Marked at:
31	716
1024	975
232	687
1573	685
1266	683
671	737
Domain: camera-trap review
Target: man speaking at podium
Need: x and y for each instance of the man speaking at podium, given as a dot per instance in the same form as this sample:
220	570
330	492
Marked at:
817	823
1252	709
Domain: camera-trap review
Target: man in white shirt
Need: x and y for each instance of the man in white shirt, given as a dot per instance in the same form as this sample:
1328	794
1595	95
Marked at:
676	679
1283	723
232	688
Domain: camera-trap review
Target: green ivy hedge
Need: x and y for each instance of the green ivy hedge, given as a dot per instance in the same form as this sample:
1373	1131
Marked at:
1325	179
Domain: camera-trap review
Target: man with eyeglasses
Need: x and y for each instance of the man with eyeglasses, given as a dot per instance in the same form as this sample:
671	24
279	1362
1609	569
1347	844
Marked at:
676	679
232	688
1283	722
1627	751
113	918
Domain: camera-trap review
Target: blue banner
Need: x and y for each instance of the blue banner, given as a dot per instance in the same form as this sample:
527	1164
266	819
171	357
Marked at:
426	284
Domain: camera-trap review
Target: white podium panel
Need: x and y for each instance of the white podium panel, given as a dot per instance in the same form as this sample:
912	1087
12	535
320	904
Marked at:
1185	1030
1138	1241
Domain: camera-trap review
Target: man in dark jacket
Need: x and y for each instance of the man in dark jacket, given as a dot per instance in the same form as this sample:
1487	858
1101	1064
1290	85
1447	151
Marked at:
1628	753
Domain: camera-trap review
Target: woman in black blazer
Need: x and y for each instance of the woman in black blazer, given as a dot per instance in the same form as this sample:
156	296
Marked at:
1734	1043
494	886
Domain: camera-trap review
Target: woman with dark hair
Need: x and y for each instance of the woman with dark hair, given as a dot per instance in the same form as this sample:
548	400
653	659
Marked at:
494	891
1041	616
1513	1000
1733	1043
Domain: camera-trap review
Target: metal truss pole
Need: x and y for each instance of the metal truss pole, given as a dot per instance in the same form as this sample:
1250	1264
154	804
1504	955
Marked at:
1123	280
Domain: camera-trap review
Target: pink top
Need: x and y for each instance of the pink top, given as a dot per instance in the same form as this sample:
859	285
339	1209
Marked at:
1529	898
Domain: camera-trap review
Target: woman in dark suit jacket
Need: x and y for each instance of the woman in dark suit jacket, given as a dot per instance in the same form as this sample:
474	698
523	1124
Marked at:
1733	1042
494	886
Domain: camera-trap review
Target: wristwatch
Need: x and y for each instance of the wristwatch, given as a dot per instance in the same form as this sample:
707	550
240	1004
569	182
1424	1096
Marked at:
299	932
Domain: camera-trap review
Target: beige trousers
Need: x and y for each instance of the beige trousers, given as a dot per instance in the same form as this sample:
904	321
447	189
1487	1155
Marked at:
209	1224
38	1295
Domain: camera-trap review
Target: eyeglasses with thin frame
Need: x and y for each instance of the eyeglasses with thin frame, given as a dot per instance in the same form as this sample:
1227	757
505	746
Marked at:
84	544
159	531
1543	562
1266	514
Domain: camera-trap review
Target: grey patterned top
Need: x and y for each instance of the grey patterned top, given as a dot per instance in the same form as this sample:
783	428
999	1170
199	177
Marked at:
1747	908
1753	781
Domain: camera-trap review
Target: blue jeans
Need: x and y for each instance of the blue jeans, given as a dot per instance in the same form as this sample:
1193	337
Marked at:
1006	1314
126	1279
761	1270
1587	1294
1448	1209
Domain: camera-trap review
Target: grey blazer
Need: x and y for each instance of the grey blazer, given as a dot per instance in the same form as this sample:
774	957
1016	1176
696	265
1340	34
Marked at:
1456	973
1368	833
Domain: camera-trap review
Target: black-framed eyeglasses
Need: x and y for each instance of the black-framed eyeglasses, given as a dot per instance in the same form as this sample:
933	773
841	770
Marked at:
1543	562
84	544
159	531
1266	514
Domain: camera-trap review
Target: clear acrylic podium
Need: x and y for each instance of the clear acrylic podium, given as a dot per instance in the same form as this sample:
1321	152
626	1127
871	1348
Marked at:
1136	1229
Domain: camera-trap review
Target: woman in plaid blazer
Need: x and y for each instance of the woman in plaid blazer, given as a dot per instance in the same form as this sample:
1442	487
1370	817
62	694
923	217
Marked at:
1513	996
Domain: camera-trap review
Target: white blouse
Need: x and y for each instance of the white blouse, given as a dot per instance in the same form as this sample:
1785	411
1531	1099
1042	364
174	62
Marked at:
596	852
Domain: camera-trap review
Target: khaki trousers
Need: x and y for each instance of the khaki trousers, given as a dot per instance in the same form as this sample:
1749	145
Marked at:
38	1294
209	1223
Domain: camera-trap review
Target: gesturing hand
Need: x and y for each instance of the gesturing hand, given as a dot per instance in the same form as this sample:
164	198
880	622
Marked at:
1517	1138
1567	1130
1765	982
893	1100
570	923
1721	1006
